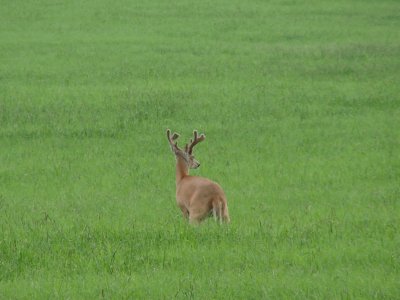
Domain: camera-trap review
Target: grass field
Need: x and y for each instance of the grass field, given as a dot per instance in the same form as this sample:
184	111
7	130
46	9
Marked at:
300	102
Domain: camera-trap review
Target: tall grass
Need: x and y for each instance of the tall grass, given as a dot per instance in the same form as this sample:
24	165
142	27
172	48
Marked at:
300	104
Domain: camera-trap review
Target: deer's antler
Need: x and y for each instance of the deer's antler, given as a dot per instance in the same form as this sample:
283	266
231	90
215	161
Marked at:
195	141
171	140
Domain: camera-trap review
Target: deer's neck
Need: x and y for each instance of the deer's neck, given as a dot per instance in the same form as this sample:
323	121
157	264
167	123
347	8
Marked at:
182	169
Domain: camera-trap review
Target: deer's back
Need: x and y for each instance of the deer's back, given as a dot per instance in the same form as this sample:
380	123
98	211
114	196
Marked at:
198	187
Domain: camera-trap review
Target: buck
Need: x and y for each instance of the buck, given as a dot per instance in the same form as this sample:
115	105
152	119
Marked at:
197	197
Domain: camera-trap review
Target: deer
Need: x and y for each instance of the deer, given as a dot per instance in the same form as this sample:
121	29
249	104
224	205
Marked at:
197	197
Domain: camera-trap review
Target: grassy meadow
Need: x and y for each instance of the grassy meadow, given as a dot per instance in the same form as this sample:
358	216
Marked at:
300	102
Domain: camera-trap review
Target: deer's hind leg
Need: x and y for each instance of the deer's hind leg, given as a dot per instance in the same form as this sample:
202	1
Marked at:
198	214
217	211
185	212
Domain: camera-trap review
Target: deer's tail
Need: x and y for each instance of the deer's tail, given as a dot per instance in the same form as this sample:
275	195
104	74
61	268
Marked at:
220	211
225	212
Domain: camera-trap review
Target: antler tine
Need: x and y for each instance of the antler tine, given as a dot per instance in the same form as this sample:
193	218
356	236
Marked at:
195	141
172	139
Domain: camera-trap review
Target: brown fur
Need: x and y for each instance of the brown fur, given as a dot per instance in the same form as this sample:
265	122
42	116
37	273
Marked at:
197	197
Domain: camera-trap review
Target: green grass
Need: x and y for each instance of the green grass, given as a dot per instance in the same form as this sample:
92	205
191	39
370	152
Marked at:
300	102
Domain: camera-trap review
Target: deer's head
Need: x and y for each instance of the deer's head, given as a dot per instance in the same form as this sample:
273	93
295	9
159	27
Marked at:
187	153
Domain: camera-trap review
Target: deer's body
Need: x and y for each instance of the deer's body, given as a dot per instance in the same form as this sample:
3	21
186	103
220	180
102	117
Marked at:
197	197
